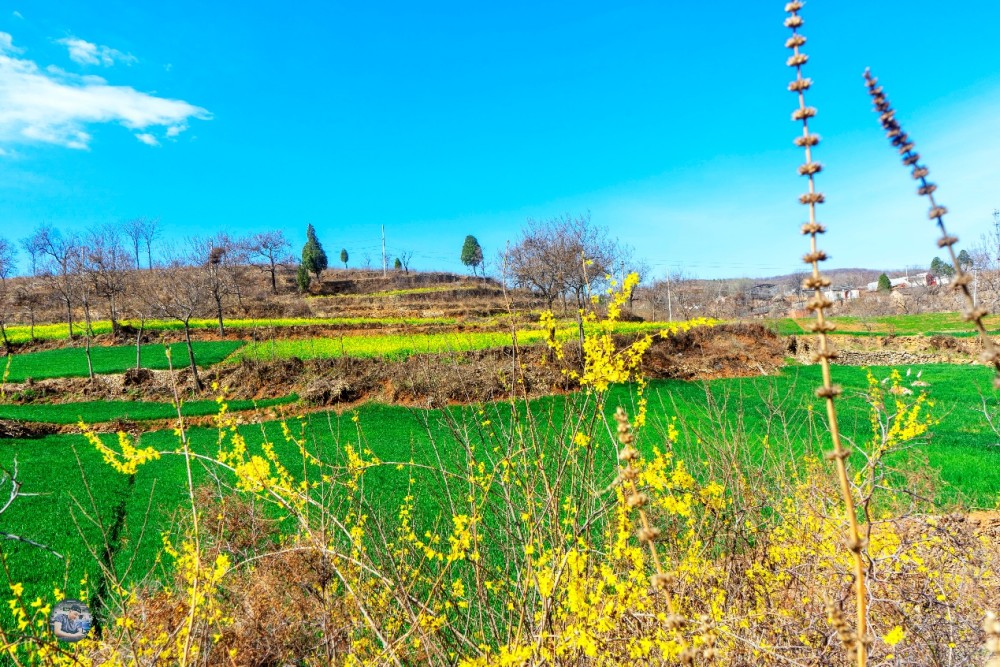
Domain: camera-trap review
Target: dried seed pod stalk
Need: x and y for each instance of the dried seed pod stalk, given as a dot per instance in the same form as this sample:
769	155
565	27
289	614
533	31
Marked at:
992	628
901	141
636	500
819	304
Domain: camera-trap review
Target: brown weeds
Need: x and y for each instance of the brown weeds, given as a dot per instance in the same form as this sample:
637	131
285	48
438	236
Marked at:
992	628
910	158
648	533
819	303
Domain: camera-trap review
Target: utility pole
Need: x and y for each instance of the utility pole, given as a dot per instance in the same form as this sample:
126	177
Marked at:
385	266
670	310
996	230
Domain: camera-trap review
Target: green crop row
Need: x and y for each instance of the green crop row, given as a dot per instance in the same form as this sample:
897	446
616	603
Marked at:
920	324
962	449
72	361
94	412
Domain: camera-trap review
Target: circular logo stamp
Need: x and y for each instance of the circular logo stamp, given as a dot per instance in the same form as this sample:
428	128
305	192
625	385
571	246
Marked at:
70	620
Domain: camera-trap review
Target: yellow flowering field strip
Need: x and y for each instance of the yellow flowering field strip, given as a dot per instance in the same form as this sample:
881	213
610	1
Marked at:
399	346
22	333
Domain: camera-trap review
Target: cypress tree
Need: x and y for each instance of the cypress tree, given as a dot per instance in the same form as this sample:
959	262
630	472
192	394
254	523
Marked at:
313	256
472	253
302	278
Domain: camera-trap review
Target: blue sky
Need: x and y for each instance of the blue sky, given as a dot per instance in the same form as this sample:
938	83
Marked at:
669	122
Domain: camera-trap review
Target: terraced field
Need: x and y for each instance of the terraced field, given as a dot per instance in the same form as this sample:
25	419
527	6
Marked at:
399	346
72	361
22	334
925	324
95	412
963	449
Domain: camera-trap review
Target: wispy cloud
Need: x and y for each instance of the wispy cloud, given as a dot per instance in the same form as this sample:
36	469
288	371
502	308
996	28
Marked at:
148	139
16	14
87	53
55	107
7	44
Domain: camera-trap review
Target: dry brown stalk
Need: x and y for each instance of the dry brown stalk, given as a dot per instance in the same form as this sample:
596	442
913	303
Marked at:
992	628
902	141
819	303
636	500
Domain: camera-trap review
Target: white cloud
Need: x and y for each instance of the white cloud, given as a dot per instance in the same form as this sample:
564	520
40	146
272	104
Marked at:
87	53
7	44
148	139
52	106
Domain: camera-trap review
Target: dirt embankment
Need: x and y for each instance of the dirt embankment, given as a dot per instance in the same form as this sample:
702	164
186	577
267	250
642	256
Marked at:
890	350
737	350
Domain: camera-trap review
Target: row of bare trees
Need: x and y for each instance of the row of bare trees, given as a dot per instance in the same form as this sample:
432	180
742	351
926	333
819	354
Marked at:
97	275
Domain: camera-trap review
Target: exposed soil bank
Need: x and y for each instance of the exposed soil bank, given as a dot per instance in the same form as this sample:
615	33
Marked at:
736	350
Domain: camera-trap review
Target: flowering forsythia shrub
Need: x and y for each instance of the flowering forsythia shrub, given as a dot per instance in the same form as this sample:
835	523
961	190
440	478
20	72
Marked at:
519	549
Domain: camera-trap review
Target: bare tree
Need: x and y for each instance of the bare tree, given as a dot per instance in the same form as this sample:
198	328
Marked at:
6	308
8	259
8	256
138	308
629	262
404	258
562	257
150	232
272	249
61	253
132	228
106	267
26	298
82	267
32	246
180	294
221	259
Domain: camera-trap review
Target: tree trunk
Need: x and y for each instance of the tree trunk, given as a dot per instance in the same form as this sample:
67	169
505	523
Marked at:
149	258
6	341
113	311
274	280
138	345
218	311
87	322
69	317
88	331
194	367
90	362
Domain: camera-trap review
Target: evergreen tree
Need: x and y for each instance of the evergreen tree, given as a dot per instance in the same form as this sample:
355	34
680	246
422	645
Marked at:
884	285
472	253
344	256
302	278
965	261
313	255
941	268
397	264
